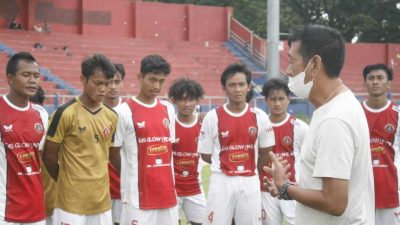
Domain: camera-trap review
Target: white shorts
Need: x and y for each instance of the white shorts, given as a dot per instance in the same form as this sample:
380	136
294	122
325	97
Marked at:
116	210
275	210
134	216
387	216
193	206
62	217
233	197
42	222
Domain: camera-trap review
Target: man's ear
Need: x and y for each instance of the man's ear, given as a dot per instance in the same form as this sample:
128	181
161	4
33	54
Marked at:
10	78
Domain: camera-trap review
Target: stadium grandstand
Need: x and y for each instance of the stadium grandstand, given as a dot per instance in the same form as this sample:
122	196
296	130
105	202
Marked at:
198	41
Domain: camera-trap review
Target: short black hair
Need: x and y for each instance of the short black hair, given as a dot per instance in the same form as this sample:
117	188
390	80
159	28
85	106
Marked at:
120	69
39	97
275	84
324	41
379	66
232	70
187	86
154	64
95	62
12	64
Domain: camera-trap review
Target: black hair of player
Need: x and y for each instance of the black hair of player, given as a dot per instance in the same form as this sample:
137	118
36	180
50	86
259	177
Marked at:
323	41
185	88
120	69
12	64
234	69
369	68
154	64
91	64
275	84
39	97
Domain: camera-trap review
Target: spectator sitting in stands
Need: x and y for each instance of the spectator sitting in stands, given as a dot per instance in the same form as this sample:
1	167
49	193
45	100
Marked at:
38	45
46	27
38	28
14	25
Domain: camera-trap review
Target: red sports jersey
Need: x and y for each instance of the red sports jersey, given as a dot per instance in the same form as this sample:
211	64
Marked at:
186	159
284	139
21	185
115	182
237	154
383	126
155	178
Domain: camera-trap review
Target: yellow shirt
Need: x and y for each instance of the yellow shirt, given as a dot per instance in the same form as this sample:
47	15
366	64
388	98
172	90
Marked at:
85	137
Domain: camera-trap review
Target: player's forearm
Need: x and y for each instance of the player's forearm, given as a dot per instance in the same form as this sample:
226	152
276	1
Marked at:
115	158
262	158
317	200
52	167
206	158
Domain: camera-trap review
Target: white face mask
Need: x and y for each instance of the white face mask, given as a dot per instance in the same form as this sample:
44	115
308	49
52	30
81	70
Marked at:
297	86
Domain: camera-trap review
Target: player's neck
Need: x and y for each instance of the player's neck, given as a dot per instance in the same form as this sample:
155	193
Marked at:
277	118
144	99
111	102
88	103
186	119
377	102
17	100
236	107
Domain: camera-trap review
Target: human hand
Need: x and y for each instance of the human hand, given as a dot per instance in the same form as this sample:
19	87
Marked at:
278	170
270	187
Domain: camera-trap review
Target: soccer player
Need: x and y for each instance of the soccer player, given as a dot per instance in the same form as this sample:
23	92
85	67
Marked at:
48	183
384	129
235	139
289	134
146	128
77	148
22	133
112	100
186	94
335	185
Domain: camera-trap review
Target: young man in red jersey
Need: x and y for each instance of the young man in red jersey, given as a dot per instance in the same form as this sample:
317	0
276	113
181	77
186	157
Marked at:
112	99
186	94
384	129
22	133
235	138
146	130
289	134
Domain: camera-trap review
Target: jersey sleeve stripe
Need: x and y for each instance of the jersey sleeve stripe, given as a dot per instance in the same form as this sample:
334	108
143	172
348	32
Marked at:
56	118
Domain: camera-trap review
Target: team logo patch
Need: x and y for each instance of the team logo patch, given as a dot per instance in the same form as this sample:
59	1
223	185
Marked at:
7	128
166	122
141	124
38	128
252	131
389	128
287	140
225	134
106	132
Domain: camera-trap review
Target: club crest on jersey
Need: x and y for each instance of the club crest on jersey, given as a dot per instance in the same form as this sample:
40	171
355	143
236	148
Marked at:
106	131
287	140
38	128
389	128
166	123
141	124
8	128
81	129
252	131
225	134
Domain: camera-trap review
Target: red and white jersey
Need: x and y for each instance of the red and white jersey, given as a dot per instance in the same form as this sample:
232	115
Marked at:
115	180
233	139
384	129
21	187
186	158
289	136
145	133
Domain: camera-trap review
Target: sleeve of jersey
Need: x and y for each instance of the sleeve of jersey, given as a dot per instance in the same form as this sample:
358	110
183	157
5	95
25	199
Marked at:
171	115
124	116
335	150
266	137
45	120
58	126
205	144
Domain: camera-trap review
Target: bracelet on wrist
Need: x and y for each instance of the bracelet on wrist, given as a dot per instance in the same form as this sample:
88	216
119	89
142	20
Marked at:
283	191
